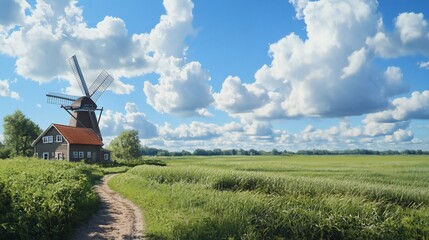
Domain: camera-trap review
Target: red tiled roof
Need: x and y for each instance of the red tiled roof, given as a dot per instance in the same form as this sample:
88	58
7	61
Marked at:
79	135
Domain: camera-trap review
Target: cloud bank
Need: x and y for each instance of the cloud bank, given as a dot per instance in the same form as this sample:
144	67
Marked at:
329	72
44	39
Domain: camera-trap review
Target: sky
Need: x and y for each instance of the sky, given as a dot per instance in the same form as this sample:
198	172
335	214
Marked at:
290	75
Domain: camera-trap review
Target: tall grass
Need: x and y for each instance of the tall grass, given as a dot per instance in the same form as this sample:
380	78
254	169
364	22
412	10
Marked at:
44	199
220	198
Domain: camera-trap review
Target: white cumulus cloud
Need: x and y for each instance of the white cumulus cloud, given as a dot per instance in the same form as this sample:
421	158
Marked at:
411	26
192	131
400	136
424	65
403	109
376	129
410	36
6	92
183	91
323	75
236	97
113	123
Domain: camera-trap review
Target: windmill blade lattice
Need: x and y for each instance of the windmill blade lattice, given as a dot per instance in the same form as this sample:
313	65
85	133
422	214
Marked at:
74	64
100	85
61	99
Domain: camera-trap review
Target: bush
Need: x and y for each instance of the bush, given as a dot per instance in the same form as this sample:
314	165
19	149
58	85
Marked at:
4	153
5	216
44	199
136	162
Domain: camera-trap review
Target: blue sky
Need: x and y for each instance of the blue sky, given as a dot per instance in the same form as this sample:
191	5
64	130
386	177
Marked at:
290	75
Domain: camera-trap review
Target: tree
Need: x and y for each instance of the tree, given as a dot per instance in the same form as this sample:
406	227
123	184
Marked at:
275	152
19	133
217	151
126	146
148	151
200	152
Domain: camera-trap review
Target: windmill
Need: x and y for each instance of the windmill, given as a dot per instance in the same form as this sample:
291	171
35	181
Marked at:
82	108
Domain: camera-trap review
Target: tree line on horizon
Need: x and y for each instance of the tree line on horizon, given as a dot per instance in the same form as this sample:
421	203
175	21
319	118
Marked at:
148	151
20	132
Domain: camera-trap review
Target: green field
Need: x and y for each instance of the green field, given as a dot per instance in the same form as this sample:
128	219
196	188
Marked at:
42	199
282	197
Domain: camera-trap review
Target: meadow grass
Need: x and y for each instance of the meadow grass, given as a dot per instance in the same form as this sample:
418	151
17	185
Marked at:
42	199
282	197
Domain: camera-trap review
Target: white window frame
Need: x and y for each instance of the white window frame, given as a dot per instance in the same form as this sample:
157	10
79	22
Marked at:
75	154
48	139
106	156
59	138
88	154
59	155
81	155
45	154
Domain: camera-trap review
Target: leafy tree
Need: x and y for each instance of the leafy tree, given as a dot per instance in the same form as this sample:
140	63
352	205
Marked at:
275	152
149	151
217	151
200	152
163	153
126	146
253	152
19	133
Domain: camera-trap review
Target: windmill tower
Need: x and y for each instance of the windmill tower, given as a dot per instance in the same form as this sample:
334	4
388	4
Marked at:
82	108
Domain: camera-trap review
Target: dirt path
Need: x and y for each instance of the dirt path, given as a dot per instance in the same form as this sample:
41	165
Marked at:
118	217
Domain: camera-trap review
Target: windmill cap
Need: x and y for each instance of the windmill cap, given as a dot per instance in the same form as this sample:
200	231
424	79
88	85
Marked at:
84	102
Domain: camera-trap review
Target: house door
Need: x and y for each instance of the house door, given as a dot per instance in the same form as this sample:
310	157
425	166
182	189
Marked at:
46	155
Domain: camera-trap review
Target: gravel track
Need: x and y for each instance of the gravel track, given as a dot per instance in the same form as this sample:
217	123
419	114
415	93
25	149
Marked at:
118	217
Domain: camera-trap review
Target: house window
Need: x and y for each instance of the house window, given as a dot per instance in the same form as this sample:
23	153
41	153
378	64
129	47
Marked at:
88	155
75	154
60	156
59	138
46	155
106	156
48	139
81	155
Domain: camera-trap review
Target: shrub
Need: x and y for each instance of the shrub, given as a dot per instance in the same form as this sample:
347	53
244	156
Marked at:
44	199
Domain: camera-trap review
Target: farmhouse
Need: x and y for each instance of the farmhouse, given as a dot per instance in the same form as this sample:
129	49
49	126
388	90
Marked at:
70	143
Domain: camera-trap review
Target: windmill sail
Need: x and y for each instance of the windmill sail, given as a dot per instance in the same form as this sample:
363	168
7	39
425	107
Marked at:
61	99
74	64
100	85
82	109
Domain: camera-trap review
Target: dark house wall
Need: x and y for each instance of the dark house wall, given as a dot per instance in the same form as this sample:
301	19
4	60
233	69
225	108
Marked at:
105	155
55	150
95	154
